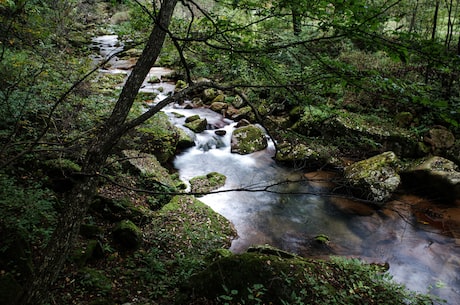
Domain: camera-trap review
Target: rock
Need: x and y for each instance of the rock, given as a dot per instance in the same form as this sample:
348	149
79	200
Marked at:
127	234
218	106
82	255
147	165
158	136
242	123
288	152
192	118
436	178
95	280
239	114
210	182
118	209
185	140
375	178
404	119
238	102
209	95
359	132
196	124
180	84
439	138
220	132
220	98
248	139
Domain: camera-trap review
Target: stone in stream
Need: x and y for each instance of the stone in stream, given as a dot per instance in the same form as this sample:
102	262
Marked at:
248	139
375	178
196	124
436	178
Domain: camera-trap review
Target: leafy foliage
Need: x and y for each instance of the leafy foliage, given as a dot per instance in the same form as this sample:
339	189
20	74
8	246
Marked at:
27	211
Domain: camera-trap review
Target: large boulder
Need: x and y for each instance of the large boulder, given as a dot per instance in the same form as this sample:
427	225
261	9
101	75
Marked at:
127	234
375	178
436	177
196	124
158	136
147	165
207	183
248	139
360	132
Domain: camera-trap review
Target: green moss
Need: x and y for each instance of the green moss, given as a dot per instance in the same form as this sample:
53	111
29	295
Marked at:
95	280
158	137
270	279
248	139
207	183
191	228
128	234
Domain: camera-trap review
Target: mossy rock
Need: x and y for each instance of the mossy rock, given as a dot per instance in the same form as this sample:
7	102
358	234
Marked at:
92	250
375	178
158	136
127	234
218	106
118	209
95	280
248	139
257	278
197	125
207	183
190	227
90	230
185	140
147	165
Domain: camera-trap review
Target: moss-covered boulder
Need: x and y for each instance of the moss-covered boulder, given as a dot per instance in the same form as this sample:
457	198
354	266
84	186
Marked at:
190	227
127	234
375	178
207	183
116	209
298	152
238	114
358	132
158	136
147	165
95	281
88	252
218	106
435	177
248	139
184	140
196	124
258	278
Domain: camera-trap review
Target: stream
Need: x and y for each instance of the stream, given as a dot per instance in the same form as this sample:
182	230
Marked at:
290	216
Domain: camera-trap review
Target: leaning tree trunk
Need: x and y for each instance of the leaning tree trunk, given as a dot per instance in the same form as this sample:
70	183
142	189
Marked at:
77	201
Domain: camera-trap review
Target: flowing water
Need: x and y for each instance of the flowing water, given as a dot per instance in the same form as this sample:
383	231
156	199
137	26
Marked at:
290	215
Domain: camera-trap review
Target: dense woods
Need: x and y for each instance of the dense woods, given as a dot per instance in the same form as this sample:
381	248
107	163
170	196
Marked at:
297	65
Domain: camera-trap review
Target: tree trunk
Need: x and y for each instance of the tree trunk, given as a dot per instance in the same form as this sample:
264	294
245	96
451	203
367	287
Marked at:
78	200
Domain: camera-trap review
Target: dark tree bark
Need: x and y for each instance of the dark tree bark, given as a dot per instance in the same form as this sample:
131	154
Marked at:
77	201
